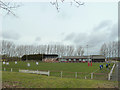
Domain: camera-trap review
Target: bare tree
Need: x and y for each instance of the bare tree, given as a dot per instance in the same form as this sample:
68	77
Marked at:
82	52
8	49
116	49
56	3
71	50
54	49
78	50
9	7
110	49
104	50
12	50
20	50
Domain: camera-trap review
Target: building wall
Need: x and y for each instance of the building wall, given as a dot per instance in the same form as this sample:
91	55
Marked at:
98	60
81	60
74	60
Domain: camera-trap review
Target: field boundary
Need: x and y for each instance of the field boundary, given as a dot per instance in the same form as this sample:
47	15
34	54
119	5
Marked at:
63	74
110	74
35	72
72	70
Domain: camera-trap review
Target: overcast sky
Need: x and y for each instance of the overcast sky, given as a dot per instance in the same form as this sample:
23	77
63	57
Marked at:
93	23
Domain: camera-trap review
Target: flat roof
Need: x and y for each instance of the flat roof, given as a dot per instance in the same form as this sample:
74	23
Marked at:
77	57
84	57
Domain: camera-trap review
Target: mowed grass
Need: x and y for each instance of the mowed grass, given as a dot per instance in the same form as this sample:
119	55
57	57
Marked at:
25	80
69	67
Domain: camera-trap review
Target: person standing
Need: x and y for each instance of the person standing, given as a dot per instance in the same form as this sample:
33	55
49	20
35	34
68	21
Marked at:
100	67
106	65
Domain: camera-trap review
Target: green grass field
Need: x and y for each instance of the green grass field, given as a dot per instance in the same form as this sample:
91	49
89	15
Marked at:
25	80
68	69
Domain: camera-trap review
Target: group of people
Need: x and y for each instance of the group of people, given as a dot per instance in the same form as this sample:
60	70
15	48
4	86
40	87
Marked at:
107	66
7	63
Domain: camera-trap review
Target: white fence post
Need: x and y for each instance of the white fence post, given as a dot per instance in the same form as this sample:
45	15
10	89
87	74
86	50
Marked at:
85	77
75	74
110	74
91	75
37	71
4	69
48	73
61	74
11	69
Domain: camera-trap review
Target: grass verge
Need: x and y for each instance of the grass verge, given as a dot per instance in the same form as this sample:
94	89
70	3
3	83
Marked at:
25	80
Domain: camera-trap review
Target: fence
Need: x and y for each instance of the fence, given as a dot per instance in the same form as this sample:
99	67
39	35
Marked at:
63	74
35	72
110	74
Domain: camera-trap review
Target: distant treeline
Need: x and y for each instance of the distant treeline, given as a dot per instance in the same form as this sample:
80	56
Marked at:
110	50
10	50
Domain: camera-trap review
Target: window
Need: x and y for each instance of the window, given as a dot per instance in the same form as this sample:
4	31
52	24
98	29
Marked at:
83	59
63	60
79	59
69	59
74	59
89	59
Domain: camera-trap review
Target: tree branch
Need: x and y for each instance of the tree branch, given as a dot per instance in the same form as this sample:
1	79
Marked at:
56	3
8	7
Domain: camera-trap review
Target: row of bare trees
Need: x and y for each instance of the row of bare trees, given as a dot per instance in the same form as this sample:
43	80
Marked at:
12	50
110	49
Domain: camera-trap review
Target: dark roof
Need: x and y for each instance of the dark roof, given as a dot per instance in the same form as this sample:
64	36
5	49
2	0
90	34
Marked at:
76	57
84	57
51	55
97	57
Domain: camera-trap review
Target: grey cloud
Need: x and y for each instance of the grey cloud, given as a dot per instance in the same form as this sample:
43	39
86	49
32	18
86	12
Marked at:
107	34
103	24
94	38
114	32
77	38
62	34
0	33
37	39
70	37
80	38
97	38
10	35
